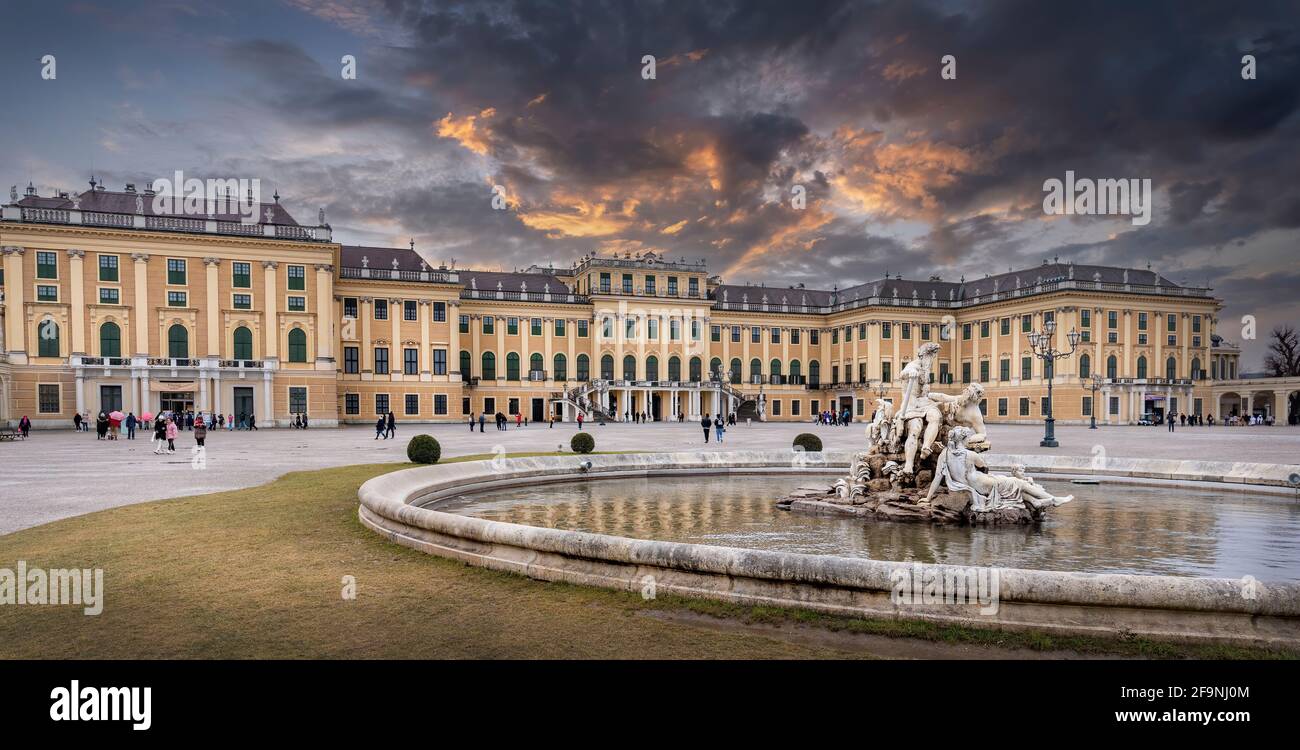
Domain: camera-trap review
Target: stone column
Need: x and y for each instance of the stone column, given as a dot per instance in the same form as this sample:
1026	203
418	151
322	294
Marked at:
453	320
80	391
367	313
77	277
548	355
476	356
268	398
15	292
271	339
396	357
324	313
425	311
213	307
141	322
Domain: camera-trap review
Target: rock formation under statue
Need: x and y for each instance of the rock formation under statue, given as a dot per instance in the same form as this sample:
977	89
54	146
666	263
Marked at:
923	463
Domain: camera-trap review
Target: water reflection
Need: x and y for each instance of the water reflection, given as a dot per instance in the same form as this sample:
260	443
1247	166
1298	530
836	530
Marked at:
1108	528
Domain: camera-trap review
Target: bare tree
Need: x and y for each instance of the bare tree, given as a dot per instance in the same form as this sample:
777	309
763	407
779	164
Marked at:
1283	358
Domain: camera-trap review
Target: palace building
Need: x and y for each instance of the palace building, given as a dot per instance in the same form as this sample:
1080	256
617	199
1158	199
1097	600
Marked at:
107	305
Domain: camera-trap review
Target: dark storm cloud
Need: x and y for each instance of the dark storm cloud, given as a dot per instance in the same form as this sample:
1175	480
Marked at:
903	171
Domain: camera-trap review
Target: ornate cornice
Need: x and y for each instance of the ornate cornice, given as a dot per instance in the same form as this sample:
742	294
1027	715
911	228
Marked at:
76	253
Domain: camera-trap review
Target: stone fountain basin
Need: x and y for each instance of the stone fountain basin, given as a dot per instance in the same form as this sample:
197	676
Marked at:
403	507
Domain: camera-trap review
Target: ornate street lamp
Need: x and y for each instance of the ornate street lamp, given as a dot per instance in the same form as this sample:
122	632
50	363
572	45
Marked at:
1043	347
1097	380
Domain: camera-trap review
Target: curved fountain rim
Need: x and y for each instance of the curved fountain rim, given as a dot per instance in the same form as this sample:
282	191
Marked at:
401	496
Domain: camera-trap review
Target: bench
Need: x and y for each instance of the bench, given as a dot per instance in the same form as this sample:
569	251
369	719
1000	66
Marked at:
11	433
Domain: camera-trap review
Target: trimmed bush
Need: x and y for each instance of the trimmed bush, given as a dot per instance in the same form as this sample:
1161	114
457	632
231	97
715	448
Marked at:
583	442
423	449
808	442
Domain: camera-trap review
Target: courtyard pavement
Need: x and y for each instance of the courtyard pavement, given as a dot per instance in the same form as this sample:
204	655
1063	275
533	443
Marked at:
59	474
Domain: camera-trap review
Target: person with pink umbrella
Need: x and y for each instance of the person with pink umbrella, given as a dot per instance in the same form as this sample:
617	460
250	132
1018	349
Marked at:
115	418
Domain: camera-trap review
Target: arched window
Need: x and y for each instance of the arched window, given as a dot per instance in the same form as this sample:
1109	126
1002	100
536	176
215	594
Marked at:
814	372
715	368
560	368
795	368
1112	367
652	368
489	366
584	367
110	340
1085	366
1196	369
696	366
776	367
755	369
466	364
607	367
535	363
629	367
736	373
674	369
297	345
48	333
178	342
1171	368
243	339
512	366
1142	367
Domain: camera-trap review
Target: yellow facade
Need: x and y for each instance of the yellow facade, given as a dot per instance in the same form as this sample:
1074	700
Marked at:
278	320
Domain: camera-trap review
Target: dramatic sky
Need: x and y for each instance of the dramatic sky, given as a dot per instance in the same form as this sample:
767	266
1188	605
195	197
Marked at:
904	172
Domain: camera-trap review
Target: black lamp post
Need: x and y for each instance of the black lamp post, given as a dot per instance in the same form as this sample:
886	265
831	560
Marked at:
1043	347
1096	384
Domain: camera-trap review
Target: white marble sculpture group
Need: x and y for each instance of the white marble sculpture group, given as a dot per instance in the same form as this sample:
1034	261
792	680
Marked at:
900	461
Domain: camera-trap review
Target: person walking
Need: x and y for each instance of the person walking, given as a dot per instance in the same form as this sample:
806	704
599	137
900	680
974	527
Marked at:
200	431
551	426
381	428
101	426
25	426
471	421
392	426
580	418
76	422
482	420
131	424
304	420
706	423
719	427
172	430
519	419
1170	420
159	435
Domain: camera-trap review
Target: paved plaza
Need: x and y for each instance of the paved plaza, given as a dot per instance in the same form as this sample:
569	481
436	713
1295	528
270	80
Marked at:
58	474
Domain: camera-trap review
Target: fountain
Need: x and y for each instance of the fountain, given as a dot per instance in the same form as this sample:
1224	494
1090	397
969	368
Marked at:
923	463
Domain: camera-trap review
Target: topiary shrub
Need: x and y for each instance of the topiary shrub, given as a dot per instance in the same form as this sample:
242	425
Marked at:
808	442
583	442
423	449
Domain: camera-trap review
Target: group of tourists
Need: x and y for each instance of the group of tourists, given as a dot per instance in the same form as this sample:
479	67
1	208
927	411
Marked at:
718	424
831	418
167	428
300	421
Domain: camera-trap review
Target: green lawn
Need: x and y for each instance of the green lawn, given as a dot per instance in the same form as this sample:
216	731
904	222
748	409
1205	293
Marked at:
257	573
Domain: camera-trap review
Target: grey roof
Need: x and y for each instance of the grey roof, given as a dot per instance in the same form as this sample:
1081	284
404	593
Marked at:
114	202
794	296
944	291
409	260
